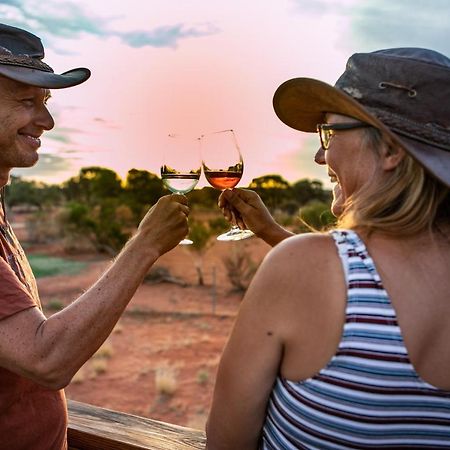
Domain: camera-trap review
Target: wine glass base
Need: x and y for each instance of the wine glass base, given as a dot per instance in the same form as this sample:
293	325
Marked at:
185	242
235	235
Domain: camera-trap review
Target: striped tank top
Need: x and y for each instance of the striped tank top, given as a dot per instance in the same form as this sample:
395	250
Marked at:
368	396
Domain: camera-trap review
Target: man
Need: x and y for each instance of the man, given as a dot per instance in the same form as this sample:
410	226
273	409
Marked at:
39	355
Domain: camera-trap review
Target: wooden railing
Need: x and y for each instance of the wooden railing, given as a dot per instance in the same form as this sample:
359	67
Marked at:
94	428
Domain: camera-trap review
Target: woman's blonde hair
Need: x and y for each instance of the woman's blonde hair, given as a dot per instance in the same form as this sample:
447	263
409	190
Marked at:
407	200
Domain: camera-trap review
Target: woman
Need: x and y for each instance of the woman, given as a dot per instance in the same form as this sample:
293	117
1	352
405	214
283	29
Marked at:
342	338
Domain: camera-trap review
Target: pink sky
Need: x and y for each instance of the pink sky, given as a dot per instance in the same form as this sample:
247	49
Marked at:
193	67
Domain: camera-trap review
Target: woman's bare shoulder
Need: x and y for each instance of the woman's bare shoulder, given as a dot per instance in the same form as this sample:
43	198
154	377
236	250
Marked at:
302	263
299	286
307	250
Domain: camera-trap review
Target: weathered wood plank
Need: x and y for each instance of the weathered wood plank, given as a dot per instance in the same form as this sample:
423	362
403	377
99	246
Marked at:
94	428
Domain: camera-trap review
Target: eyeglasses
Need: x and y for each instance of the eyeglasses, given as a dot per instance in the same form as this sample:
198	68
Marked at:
327	130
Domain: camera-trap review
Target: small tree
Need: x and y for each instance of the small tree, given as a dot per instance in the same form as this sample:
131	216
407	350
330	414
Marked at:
106	226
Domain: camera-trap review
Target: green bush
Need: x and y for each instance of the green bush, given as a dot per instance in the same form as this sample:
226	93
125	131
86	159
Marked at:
316	216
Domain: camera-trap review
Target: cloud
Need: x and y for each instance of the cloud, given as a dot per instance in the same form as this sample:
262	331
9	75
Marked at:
320	6
69	20
49	168
11	2
62	135
167	36
403	23
376	24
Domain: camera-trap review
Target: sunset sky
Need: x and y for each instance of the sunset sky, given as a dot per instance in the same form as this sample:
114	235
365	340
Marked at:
195	66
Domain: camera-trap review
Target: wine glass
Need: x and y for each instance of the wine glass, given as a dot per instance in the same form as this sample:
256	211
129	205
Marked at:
181	167
223	167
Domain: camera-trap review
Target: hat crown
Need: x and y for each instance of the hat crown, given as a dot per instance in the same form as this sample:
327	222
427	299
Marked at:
407	88
421	55
21	59
20	42
404	92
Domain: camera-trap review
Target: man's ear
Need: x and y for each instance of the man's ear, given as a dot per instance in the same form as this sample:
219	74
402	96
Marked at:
391	156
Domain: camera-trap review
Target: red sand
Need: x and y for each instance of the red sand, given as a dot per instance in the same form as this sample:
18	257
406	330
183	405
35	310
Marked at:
166	329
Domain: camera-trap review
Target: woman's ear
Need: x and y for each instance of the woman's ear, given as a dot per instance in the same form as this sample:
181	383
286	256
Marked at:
391	156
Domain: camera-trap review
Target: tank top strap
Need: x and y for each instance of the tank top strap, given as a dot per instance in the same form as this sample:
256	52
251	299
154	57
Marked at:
354	255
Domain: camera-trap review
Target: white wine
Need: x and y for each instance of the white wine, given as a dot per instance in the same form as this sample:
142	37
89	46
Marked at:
180	183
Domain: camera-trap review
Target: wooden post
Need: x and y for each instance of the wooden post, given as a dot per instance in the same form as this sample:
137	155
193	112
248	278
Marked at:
213	291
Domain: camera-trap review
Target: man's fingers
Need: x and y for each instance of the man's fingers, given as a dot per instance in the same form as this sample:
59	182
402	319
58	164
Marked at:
179	198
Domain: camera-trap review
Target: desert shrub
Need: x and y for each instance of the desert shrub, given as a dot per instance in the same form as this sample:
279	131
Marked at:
106	225
104	352
161	274
99	366
203	377
240	268
80	376
55	305
166	381
284	218
200	233
219	225
43	226
315	215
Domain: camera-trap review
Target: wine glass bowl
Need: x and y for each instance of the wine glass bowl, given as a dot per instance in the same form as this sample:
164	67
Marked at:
179	182
223	167
224	178
181	167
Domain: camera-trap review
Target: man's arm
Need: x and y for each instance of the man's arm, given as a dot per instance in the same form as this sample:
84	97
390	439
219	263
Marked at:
50	351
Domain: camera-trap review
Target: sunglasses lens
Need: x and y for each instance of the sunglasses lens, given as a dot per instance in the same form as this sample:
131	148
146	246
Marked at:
324	138
327	137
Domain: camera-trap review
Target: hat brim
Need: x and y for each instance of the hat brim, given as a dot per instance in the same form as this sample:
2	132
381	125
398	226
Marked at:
43	79
302	103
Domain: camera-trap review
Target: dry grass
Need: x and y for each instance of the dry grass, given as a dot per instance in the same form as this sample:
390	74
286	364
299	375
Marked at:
104	352
80	376
166	381
99	366
118	328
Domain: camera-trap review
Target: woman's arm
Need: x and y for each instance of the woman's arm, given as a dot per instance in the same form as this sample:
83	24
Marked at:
276	308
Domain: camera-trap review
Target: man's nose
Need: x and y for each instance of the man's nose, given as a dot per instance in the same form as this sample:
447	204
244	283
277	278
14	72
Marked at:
44	119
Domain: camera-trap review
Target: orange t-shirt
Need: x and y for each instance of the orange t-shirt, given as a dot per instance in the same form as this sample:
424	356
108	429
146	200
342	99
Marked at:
31	416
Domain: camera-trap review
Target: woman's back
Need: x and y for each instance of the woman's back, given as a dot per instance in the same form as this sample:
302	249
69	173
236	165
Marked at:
416	274
369	395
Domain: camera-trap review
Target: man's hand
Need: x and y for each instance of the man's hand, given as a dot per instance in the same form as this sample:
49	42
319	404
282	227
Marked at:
165	224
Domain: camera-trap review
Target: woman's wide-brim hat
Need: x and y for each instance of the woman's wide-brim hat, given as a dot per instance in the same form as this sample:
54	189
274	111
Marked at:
21	55
403	92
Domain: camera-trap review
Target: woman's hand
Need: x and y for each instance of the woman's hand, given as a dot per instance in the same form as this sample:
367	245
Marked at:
245	208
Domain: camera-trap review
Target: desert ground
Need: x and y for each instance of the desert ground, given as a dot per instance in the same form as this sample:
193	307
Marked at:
161	359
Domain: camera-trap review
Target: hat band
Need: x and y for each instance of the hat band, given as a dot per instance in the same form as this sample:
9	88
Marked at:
25	61
428	134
